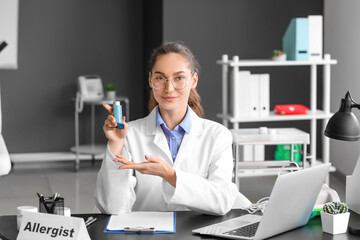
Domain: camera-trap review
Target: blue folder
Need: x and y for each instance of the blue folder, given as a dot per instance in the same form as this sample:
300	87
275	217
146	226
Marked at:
106	230
296	40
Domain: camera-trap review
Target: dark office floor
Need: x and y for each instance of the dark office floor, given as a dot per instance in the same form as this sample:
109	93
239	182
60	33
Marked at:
25	180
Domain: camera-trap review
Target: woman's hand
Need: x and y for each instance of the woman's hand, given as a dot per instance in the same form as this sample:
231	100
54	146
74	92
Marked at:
115	136
111	132
154	166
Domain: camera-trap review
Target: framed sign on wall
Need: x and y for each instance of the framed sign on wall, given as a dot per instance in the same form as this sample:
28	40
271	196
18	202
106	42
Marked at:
9	11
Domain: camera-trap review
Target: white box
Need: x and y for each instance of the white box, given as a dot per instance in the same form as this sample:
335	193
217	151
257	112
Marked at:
315	37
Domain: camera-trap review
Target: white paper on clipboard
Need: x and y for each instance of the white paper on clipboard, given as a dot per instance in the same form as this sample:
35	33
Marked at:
161	221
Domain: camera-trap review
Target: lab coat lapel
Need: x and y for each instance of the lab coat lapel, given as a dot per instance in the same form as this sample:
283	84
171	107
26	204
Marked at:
158	135
161	143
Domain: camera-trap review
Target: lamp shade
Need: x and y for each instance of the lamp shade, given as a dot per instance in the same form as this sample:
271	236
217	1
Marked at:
343	125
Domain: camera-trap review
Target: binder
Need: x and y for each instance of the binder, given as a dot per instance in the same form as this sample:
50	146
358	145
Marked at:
264	94
246	153
259	152
239	93
315	37
296	40
142	222
254	95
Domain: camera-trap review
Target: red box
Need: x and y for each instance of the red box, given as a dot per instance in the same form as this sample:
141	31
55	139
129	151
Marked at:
290	109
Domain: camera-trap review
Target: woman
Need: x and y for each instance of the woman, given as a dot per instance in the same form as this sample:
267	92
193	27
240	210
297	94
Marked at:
172	159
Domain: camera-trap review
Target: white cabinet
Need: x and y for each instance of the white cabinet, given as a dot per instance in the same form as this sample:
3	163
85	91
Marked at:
314	113
272	136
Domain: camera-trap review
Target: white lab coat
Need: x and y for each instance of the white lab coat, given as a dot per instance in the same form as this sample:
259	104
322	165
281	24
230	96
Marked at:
203	166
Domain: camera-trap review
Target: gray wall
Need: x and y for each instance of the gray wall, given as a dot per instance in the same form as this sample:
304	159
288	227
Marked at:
58	41
342	39
250	29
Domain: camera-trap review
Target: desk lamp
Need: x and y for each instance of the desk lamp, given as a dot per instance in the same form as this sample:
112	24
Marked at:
343	125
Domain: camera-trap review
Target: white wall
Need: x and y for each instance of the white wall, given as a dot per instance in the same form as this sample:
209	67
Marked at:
341	40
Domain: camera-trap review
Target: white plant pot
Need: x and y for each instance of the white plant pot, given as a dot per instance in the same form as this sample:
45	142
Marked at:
334	223
281	57
111	95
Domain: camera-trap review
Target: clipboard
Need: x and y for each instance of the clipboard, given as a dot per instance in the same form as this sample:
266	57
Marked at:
142	222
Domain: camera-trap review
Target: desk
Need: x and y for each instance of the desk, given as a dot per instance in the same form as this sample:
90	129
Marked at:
185	222
92	148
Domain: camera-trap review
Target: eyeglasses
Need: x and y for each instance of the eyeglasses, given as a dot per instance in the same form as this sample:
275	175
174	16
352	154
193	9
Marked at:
179	82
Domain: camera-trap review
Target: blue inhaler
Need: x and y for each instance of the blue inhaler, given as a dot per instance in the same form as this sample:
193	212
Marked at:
117	111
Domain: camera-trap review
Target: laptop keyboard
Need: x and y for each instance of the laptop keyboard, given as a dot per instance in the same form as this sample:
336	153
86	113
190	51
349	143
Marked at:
247	231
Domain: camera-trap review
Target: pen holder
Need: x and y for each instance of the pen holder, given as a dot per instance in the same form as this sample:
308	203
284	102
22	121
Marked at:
49	205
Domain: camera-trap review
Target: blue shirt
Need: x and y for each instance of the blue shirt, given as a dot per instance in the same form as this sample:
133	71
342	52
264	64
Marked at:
175	136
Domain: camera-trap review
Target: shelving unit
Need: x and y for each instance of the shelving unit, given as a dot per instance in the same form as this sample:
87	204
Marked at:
314	114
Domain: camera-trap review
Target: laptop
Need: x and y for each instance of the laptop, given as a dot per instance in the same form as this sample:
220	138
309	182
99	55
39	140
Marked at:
290	205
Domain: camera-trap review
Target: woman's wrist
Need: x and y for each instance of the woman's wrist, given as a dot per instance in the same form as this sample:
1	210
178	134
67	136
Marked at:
170	177
116	146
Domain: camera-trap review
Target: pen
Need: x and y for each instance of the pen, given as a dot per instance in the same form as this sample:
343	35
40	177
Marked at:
55	196
42	201
89	222
40	196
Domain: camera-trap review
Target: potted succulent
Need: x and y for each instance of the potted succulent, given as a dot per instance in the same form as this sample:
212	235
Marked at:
279	55
110	91
335	217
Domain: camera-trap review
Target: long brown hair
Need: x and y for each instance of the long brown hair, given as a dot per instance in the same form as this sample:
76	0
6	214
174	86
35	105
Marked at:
180	48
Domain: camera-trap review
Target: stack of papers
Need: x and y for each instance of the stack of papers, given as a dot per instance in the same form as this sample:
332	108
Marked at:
158	222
